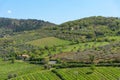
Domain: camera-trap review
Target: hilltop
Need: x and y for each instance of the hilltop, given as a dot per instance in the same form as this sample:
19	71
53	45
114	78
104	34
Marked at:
89	28
9	25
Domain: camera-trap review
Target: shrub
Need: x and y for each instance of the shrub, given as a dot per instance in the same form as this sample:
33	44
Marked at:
10	76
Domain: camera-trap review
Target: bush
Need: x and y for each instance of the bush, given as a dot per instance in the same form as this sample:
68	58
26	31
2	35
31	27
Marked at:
15	75
12	75
92	67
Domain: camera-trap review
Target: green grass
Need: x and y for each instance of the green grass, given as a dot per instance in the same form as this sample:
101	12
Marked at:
48	41
19	68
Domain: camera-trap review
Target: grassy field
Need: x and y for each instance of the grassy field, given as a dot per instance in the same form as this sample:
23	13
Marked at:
49	41
19	68
100	73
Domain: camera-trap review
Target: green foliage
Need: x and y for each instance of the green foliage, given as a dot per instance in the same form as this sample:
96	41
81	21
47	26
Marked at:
45	60
90	28
22	24
12	76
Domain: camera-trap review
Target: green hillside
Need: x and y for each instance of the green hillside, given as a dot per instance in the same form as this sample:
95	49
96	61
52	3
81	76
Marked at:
18	25
49	41
88	29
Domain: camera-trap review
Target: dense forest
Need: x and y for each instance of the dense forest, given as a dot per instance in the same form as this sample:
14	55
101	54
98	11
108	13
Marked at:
88	28
8	25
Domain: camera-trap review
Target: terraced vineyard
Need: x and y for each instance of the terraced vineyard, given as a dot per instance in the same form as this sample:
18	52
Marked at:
100	73
45	75
49	41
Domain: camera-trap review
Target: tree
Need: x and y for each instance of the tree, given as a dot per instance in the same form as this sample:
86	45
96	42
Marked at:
47	66
91	57
13	60
45	60
92	67
46	47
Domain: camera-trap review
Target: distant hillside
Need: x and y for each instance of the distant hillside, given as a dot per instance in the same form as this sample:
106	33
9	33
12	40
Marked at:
23	24
112	23
89	28
73	36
